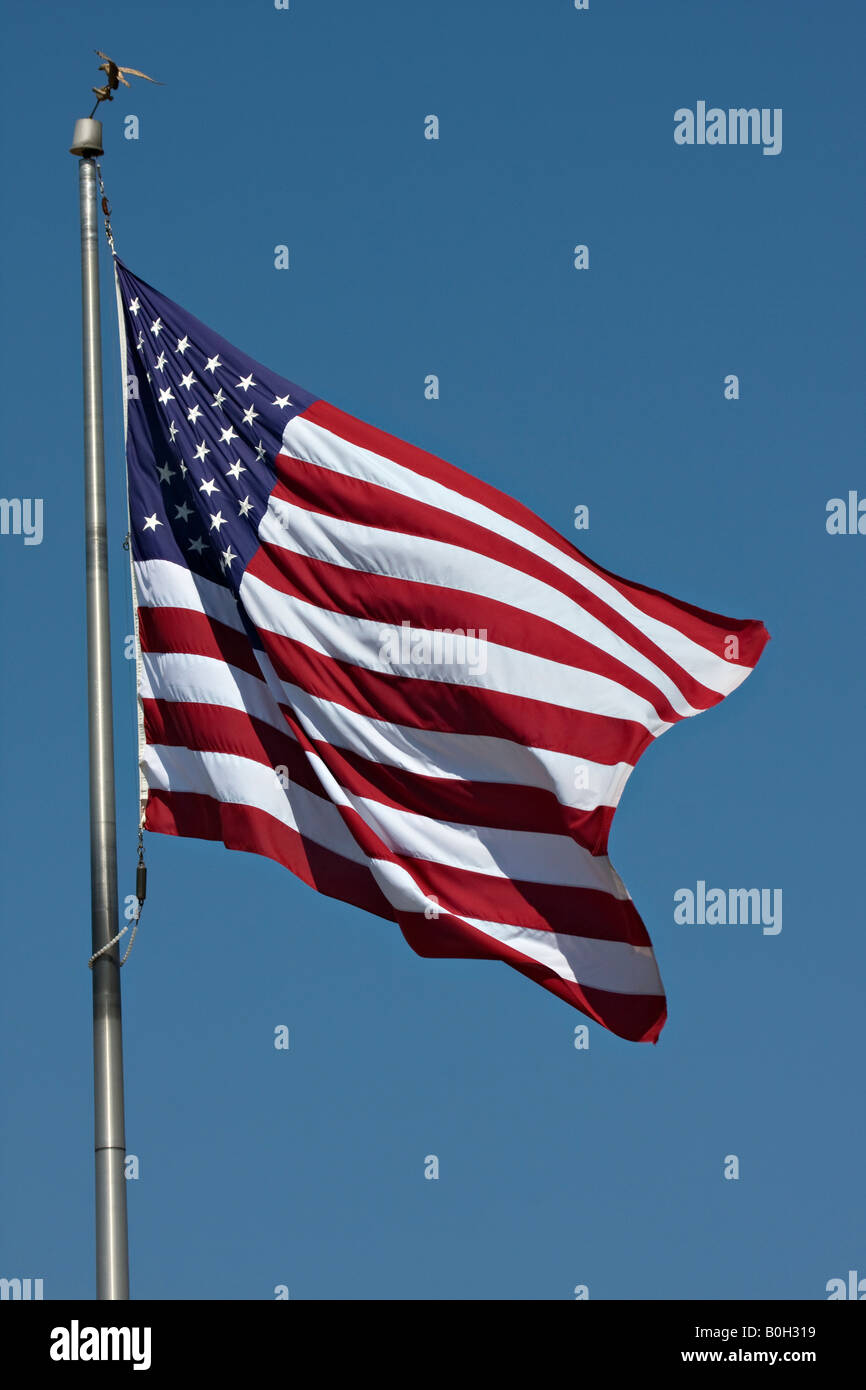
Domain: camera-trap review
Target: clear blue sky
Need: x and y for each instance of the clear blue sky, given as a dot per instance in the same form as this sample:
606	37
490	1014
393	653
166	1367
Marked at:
602	387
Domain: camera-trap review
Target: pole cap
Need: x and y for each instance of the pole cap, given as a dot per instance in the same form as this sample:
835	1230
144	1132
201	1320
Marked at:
87	137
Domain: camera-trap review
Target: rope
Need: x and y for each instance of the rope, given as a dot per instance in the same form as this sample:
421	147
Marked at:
141	871
113	942
140	892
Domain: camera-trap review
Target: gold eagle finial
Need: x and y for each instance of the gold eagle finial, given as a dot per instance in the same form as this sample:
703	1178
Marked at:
116	74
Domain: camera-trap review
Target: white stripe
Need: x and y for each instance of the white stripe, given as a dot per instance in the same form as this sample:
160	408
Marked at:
614	966
305	440
362	642
208	680
532	856
242	782
470	757
165	584
529	855
182	678
419	560
611	965
179	677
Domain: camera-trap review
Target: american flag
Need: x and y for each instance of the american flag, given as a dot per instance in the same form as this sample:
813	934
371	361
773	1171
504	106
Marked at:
391	677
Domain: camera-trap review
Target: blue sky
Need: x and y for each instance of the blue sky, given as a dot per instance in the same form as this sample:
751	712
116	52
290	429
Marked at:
604	387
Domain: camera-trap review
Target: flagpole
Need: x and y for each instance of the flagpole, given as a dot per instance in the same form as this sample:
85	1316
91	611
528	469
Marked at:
112	1257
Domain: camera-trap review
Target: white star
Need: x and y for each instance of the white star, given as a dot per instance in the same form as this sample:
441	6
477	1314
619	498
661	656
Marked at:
156	327
140	343
159	364
227	556
192	415
282	401
260	450
183	468
172	429
182	345
187	380
196	545
236	470
182	513
218	399
217	520
151	523
166	395
213	363
227	435
165	473
208	486
147	374
245	506
250	415
201	451
134	306
245	383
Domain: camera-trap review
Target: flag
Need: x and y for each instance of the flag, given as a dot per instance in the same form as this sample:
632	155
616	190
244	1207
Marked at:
390	677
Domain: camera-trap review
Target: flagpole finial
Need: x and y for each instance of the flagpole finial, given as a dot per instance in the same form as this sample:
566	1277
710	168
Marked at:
87	137
115	75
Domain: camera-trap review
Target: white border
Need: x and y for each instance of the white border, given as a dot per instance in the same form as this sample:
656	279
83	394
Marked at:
139	708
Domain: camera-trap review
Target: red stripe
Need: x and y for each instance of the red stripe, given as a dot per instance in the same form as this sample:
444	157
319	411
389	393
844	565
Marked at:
461	709
565	911
525	903
380	598
555	907
219	729
425	704
497	805
699	624
351	499
195	634
635	1017
247	828
503	806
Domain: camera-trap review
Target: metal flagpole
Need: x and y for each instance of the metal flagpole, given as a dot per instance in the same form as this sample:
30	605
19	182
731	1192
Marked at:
112	1257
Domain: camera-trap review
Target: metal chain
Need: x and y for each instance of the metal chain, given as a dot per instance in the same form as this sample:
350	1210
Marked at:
106	210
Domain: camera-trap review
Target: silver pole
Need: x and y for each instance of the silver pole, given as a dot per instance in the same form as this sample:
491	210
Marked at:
112	1258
